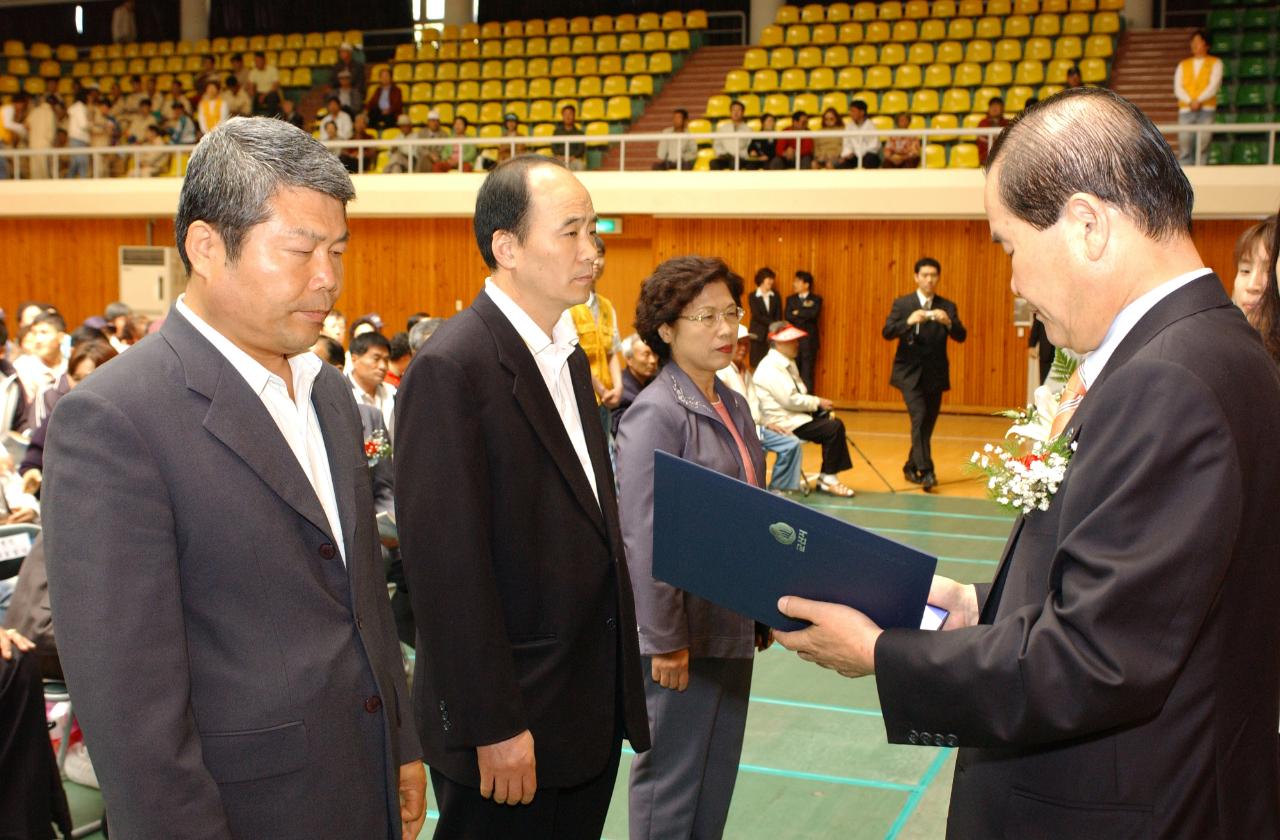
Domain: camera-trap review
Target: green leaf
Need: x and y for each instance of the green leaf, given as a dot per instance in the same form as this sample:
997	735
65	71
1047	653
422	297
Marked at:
1064	364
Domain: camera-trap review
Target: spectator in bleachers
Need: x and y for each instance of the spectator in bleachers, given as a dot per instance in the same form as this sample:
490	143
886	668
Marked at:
124	24
366	323
862	146
239	104
117	315
42	128
386	102
213	109
577	152
425	158
349	96
727	149
1073	77
208	73
13	129
133	128
236	66
115	99
1252	267
762	149
144	87
343	127
1196	82
175	93
347	62
641	367
41	364
827	149
398	156
182	129
902	152
79	122
510	128
289	112
329	134
105	131
460	157
351	157
155	163
995	118
264	86
787	149
63	161
370	356
674	152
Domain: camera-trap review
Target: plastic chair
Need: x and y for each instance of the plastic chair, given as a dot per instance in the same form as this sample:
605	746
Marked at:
938	76
956	101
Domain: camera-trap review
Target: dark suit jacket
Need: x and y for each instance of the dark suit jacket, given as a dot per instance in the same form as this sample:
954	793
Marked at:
804	313
233	677
762	316
383	473
920	363
517	573
631	389
1123	681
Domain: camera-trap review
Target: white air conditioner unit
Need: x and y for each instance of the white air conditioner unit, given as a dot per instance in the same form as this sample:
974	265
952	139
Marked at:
150	278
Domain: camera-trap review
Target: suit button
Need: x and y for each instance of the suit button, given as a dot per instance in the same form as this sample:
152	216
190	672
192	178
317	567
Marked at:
446	726
953	741
913	737
612	624
373	704
328	552
443	706
926	739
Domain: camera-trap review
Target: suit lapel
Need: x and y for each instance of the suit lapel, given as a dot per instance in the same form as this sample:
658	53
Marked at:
530	392
992	604
327	396
597	446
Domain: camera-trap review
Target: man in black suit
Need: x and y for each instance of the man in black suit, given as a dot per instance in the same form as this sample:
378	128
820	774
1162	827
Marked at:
765	305
528	670
1119	677
922	322
804	308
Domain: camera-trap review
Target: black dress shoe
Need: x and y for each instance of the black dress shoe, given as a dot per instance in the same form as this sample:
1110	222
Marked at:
928	481
910	474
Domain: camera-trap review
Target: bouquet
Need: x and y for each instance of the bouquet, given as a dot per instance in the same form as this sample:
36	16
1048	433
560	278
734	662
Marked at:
377	447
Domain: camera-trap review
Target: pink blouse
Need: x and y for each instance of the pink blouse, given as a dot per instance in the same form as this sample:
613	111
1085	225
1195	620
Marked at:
737	438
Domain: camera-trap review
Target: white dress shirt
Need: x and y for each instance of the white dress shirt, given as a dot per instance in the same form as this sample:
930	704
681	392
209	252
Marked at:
864	139
551	354
1093	364
383	399
296	418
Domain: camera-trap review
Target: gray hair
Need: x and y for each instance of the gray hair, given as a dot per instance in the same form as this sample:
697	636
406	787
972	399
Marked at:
629	345
422	331
239	166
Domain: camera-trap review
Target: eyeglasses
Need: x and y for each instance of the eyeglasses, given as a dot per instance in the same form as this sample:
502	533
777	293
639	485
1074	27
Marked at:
709	317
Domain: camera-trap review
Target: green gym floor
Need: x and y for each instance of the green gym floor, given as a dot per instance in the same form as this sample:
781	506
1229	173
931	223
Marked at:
815	763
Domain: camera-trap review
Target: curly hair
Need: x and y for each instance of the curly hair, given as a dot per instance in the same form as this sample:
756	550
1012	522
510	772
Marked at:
667	291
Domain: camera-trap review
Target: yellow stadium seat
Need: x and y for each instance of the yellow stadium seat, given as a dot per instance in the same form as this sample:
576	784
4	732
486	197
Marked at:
332	38
864	55
1056	71
1009	49
1029	73
660	64
593	109
34	85
80	68
695	19
787	14
920	53
641	85
648	21
850	32
619	109
943	9
427	52
989	28
864	11
836	56
907	77
562	66
808	57
916	9
557	26
469	110
1057	7
1098	46
879	78
777	104
492	89
327	55
924	101
813	13
609	65
678	40
970	8
67	52
905	31
792	80
877	32
448	51
117	67
447	70
630	42
673	20
490	49
615	85
798	35
561	104
50	69
540	110
835	99
892	55
839	12
999	8
963	156
491	69
16	49
558	45
1017	26
66	86
960	29
933	30
806	102
982	98
535	46
19	67
1026	7
938	76
978	52
755	59
1047	25
870	97
221	45
403	72
1083	5
1093	71
935	156
582	44
516	89
116	50
136	66
893	102
607	43
420	92
1111	5
1048	90
950	52
971	121
850	78
824	34
302	77
998	74
539	88
771	36
764	81
1015	98
781	58
468	90
422	72
635	63
737	81
1037	49
943	121
956	101
1106	23
1068	47
173	63
967	74
718	106
890	10
750	104
579	25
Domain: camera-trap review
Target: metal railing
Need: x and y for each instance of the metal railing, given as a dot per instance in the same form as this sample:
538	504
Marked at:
99	164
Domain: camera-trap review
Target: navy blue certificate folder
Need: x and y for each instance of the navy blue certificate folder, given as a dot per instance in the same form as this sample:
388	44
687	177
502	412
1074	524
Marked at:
744	548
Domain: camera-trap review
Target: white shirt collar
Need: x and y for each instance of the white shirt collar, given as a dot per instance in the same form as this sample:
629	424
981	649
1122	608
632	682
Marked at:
306	366
1128	318
924	301
564	336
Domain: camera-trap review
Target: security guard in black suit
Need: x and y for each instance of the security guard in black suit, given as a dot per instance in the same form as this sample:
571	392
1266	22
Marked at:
803	310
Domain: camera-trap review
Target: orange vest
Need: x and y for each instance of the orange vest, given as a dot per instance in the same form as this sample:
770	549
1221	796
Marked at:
596	337
1195	83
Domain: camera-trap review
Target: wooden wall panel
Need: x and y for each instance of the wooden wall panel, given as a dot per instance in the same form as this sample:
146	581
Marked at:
400	266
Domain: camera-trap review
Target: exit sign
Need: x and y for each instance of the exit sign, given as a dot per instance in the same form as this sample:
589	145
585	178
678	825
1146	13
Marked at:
608	225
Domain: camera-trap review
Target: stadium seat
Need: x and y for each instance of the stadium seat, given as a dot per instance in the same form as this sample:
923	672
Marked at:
764	81
806	102
1008	49
982	98
798	35
490	112
1026	7
1048	90
737	81
539	88
943	9
916	9
864	55
1029	73
654	41
1057	7
956	101
468	91
943	121
1083	6
889	10
924	101
935	156
635	63
771	36
850	78
938	75
989	28
868	96
998	74
1106	23
777	104
516	89
839	12
933	30
540	110
593	108
755	59
1037	49
999	8
782	57
835	99
850	32
615	85
787	14
877	32
469	70
978	52
893	102
824	34
970	8
1056	71
445	91
718	106
641	85
1017	26
891	55
1015	98
1068	48
950	52
822	78
879	77
963	156
586	65
960	29
1076	23
1047	25
905	31
864	11
836	56
808	57
968	74
1093	71
907	77
921	53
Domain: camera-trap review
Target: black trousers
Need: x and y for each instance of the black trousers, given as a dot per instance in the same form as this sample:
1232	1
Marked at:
923	408
807	361
575	813
31	796
870	160
828	430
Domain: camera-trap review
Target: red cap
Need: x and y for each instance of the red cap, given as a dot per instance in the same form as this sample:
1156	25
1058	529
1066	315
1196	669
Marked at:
788	333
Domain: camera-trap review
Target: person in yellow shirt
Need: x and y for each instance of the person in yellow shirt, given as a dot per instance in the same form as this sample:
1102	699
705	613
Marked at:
597	324
1196	83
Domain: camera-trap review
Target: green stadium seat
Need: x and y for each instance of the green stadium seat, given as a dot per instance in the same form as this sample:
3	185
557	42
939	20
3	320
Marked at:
1255	67
1248	153
1223	19
1251	96
1259	19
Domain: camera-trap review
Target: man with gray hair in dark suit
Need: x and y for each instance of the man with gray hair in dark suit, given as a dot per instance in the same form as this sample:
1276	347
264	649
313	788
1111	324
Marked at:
222	610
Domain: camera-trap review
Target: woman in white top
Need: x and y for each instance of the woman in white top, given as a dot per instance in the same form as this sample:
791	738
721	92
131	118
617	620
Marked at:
79	122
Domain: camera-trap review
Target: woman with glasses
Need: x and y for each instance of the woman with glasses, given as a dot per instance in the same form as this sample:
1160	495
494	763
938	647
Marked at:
697	655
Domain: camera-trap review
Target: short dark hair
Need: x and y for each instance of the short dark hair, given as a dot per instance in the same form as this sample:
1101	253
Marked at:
1073	70
860	104
99	351
415	318
232	81
806	277
1202	34
465	122
573	108
371	320
665	293
398	347
995	100
800	112
365	342
504	202
84	333
51	317
332	351
737	102
682	112
764	274
927	262
1089	140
